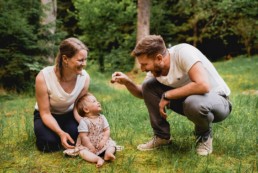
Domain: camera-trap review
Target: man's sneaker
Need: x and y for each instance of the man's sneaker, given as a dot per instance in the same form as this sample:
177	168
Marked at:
204	148
154	143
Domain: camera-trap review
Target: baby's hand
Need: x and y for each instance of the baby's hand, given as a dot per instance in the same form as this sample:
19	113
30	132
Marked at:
100	145
93	149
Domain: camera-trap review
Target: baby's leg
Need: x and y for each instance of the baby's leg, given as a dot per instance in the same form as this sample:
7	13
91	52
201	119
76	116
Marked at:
109	154
91	157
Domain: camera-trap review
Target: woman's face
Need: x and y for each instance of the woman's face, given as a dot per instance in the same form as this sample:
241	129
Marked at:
77	63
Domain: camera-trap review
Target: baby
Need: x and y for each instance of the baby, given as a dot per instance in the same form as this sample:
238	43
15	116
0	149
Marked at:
94	133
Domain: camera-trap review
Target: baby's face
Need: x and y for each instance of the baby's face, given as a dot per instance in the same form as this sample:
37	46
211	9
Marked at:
93	105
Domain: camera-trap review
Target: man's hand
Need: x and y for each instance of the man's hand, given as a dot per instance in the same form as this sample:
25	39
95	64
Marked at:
162	107
119	77
65	137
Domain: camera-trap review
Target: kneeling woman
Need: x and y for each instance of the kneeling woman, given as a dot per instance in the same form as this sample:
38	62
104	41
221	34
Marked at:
57	89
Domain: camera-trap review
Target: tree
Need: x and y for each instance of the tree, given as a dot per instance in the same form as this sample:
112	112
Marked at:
23	41
49	20
66	18
239	18
108	30
19	60
143	24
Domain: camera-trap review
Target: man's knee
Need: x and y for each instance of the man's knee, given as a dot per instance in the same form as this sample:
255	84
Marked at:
147	84
194	106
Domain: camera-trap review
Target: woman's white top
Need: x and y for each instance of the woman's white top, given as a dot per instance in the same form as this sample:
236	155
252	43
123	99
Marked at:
60	101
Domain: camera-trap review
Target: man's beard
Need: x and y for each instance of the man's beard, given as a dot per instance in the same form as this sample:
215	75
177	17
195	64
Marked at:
157	71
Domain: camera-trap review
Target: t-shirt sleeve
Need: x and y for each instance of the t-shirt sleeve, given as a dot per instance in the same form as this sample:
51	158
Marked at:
105	122
188	56
83	126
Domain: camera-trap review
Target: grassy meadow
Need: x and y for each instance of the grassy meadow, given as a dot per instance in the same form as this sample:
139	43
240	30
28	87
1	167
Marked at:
234	140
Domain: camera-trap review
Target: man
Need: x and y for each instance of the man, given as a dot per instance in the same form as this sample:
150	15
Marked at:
182	79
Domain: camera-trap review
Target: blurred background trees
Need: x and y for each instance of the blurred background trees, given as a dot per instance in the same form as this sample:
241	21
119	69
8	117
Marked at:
223	28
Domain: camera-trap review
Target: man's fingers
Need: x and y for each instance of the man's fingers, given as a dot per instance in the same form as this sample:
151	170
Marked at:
163	113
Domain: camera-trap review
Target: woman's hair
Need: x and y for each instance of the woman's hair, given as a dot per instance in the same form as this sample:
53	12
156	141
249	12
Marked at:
68	47
81	103
150	45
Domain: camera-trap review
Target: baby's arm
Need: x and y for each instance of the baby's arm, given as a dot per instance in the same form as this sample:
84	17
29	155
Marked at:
86	141
106	136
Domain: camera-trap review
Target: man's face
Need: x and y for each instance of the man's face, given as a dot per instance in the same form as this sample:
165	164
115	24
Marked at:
150	64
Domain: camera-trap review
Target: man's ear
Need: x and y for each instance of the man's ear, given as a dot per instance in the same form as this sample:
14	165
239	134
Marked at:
159	57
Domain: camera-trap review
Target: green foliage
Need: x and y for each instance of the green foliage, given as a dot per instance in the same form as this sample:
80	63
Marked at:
234	140
67	19
109	30
19	50
238	18
24	43
218	28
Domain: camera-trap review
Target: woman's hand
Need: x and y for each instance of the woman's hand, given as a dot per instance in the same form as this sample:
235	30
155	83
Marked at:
65	138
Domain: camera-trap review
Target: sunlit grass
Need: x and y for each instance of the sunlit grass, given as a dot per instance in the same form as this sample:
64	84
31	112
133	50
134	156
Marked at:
235	139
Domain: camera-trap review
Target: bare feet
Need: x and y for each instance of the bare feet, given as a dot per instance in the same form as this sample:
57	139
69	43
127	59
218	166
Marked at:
100	162
109	156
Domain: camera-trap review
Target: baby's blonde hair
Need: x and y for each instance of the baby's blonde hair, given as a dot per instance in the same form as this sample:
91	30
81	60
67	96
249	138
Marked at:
82	103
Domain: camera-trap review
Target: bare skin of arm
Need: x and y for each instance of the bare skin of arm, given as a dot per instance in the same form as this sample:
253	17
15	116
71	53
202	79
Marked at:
199	85
105	138
121	78
46	116
86	141
83	92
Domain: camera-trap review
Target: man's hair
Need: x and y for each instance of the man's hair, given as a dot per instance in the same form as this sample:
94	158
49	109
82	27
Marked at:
150	45
81	103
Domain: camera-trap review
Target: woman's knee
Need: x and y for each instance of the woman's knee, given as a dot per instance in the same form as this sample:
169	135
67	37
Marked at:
48	146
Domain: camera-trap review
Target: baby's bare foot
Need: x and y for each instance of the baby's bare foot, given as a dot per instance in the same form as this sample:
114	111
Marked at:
109	156
100	162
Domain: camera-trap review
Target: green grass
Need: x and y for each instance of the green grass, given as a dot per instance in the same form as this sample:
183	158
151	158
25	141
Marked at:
235	139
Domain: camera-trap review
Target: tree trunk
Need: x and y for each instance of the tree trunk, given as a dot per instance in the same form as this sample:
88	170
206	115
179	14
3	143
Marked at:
49	19
50	12
143	24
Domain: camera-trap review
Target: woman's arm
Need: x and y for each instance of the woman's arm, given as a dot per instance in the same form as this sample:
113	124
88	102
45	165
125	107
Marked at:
44	109
83	92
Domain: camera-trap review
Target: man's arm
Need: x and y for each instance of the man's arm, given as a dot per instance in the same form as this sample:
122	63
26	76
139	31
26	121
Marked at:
199	85
121	78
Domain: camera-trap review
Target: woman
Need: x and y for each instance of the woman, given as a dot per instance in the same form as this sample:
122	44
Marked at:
57	89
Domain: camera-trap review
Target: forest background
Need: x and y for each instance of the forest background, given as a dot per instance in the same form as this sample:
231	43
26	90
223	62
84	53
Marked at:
30	32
